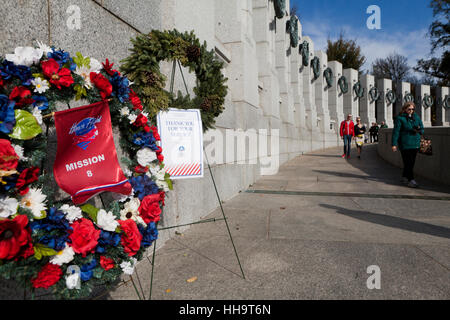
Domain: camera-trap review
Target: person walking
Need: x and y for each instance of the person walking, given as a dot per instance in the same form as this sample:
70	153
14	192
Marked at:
360	131
347	132
408	127
373	131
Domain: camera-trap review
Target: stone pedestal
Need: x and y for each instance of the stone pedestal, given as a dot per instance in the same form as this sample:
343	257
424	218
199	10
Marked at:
297	91
421	109
310	99
336	100
384	107
442	113
366	104
351	101
402	90
321	97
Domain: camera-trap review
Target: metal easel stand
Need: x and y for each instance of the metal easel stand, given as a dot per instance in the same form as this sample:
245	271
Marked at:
172	80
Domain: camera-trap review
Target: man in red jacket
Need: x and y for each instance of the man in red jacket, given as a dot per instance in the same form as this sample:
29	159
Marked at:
347	134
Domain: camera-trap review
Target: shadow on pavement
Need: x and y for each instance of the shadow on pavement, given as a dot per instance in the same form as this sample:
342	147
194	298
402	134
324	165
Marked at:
377	169
392	222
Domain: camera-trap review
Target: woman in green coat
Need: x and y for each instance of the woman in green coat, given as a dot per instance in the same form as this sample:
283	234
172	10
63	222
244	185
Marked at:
406	137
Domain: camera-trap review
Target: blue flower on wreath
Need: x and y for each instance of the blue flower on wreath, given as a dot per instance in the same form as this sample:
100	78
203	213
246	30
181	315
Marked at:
40	102
107	239
87	270
149	234
121	88
10	182
145	139
7	115
55	220
143	186
54	242
62	58
8	70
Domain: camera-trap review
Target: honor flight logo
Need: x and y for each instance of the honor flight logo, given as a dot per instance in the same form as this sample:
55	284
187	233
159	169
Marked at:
85	132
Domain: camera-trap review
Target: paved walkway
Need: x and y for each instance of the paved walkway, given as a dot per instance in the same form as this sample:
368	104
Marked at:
311	232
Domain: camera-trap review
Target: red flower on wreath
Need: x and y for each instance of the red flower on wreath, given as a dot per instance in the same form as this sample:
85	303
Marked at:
149	209
159	154
27	177
135	101
155	133
106	263
21	95
102	84
108	68
15	238
131	237
141	169
84	236
47	277
142	121
8	156
57	76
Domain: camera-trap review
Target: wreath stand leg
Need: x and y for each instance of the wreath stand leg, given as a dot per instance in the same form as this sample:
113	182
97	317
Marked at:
223	214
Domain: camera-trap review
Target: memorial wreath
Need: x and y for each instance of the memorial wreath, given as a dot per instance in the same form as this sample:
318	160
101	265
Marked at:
53	244
142	67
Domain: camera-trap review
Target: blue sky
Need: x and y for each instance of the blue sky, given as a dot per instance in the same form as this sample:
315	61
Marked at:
404	26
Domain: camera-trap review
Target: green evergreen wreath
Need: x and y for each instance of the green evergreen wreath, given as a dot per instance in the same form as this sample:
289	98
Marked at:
142	67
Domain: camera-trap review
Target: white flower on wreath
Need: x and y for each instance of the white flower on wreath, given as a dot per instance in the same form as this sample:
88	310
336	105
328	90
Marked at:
146	156
45	48
106	220
162	184
72	213
131	211
64	256
85	73
124	112
38	115
20	152
8	207
132	117
156	172
121	197
25	56
73	281
95	65
159	176
128	267
41	85
34	200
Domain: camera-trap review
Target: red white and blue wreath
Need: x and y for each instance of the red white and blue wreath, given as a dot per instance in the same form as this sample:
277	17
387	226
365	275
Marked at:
52	244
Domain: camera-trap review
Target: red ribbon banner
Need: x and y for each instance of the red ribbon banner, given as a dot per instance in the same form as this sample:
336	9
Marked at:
86	159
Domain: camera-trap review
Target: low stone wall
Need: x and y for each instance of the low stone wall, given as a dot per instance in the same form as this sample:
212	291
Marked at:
435	167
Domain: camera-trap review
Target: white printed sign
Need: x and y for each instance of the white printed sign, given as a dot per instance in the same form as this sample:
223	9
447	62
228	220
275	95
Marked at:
182	142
